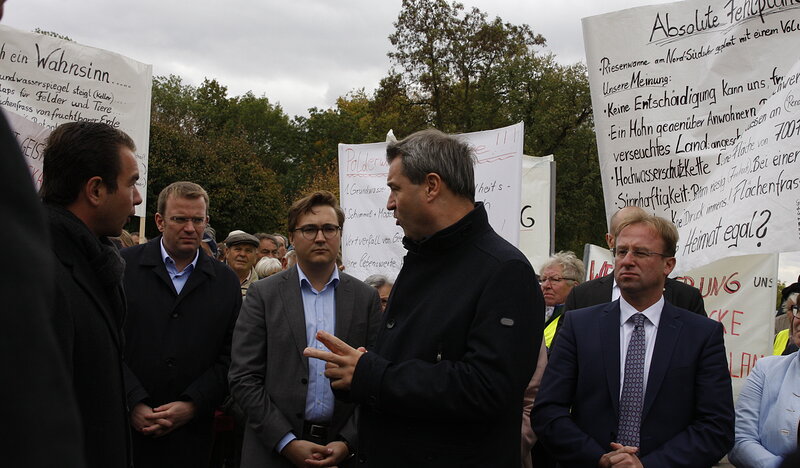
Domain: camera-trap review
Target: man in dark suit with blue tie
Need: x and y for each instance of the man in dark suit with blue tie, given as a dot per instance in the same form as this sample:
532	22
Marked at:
638	381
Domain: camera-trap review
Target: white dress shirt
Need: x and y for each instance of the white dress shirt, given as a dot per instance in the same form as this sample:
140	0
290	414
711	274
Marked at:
652	317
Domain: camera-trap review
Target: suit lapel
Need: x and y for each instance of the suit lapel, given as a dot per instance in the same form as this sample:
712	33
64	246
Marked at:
202	272
669	329
294	311
152	257
345	300
609	336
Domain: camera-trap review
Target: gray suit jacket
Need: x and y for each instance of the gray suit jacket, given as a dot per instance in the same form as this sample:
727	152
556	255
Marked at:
269	374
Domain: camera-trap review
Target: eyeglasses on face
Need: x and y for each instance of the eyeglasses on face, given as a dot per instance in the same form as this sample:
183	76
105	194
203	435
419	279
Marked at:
186	219
637	253
554	279
310	231
793	309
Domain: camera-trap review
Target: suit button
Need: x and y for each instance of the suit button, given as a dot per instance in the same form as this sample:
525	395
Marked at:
390	323
170	362
175	315
304	381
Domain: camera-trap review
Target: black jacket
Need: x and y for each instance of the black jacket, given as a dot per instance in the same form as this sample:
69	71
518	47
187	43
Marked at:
444	384
88	320
178	348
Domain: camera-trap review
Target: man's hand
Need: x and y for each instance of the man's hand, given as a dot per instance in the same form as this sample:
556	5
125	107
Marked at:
139	420
341	361
332	454
621	456
171	416
301	452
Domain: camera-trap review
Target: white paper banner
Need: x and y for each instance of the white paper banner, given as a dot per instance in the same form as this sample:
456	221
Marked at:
538	208
372	243
50	81
31	138
674	89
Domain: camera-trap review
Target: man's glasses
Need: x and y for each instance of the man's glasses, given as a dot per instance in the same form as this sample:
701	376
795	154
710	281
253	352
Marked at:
794	311
554	279
637	253
186	219
310	231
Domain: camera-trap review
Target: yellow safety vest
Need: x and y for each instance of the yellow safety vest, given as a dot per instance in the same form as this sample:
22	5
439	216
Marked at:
550	331
781	340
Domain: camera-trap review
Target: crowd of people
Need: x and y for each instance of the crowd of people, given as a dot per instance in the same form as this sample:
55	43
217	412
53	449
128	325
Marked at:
260	350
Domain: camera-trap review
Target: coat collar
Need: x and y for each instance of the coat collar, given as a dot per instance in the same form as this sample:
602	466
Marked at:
474	223
203	271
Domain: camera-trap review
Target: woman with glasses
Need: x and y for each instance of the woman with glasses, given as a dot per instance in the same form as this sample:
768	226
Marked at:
768	408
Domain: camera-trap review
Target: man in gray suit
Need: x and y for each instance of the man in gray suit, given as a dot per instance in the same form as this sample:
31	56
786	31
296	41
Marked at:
292	416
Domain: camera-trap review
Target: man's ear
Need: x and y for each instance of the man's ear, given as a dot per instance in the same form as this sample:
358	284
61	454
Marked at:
160	222
669	265
94	190
433	185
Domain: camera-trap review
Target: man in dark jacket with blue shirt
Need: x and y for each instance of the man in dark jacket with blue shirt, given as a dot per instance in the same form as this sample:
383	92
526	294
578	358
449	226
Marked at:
182	306
444	384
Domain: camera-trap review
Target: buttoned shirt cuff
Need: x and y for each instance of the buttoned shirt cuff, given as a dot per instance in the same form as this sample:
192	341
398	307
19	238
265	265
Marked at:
285	441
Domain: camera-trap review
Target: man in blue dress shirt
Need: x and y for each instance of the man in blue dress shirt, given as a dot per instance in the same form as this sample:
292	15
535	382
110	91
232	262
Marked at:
292	416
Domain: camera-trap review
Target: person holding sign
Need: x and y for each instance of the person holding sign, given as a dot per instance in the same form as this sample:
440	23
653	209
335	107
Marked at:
637	382
767	415
460	338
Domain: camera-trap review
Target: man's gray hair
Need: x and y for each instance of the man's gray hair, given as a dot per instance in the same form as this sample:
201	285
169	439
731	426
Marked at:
429	151
377	281
571	266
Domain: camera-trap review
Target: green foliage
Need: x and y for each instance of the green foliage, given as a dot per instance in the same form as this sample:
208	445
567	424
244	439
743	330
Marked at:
455	69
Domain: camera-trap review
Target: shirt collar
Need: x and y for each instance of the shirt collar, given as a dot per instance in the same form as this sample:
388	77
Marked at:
653	313
333	280
168	260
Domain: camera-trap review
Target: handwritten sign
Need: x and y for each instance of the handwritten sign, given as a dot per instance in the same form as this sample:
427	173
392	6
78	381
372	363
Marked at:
536	217
738	292
695	108
50	81
372	242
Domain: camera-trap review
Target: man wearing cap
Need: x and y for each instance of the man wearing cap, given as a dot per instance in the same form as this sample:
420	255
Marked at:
182	307
241	257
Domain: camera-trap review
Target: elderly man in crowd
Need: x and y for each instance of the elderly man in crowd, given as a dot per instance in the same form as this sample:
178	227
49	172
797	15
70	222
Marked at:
268	246
182	306
242	256
384	287
444	384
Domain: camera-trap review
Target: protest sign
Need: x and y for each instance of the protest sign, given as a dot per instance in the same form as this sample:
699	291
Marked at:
537	213
739	292
31	138
50	81
598	261
695	105
372	242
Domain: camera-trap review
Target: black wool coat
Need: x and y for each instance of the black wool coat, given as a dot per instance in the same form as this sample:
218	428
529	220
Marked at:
178	348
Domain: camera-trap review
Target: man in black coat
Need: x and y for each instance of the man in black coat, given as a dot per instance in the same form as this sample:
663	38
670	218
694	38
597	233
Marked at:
89	190
461	335
604	289
182	308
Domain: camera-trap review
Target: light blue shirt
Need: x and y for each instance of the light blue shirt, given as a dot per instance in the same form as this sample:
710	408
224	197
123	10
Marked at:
767	413
320	314
179	278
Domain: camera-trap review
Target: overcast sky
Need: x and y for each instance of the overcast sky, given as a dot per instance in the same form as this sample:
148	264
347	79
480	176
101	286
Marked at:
299	53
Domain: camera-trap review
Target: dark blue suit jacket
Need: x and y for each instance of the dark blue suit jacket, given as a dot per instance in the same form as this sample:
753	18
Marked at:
687	419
